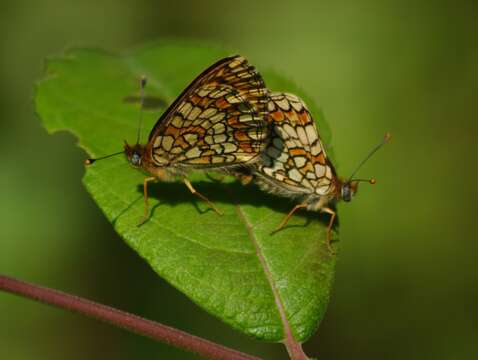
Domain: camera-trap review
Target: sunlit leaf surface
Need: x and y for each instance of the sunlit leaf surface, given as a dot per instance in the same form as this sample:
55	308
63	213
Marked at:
230	265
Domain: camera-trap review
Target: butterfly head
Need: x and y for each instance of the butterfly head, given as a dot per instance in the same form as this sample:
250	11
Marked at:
348	190
134	154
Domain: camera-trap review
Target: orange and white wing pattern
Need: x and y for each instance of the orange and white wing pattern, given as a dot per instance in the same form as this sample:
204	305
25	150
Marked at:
219	120
294	163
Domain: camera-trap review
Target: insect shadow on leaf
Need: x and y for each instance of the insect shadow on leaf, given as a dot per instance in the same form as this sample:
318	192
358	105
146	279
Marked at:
173	194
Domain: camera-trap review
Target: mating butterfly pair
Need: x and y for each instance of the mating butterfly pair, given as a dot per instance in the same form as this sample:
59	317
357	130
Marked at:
226	120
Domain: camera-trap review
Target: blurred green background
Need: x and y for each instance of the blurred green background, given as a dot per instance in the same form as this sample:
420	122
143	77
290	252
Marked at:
406	284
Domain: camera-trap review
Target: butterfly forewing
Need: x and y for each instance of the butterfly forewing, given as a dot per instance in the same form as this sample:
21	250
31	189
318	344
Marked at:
218	120
295	159
214	126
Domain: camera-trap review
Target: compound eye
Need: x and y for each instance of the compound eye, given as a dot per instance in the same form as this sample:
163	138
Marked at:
136	159
346	193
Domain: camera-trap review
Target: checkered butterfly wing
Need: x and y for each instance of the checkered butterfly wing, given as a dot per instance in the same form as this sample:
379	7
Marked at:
218	120
295	161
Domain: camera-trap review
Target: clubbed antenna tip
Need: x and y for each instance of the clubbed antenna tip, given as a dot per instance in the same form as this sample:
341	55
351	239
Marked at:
142	84
371	181
143	81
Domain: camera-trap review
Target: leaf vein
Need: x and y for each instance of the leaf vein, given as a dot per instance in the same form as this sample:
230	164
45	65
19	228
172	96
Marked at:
275	292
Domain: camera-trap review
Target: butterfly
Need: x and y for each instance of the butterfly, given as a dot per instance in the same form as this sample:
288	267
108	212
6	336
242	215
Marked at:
295	164
218	121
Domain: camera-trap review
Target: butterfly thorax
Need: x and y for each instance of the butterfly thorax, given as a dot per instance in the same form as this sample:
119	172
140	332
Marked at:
316	202
339	190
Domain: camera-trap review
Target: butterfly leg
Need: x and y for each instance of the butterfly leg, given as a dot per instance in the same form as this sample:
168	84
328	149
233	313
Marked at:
329	227
201	196
219	178
289	215
146	205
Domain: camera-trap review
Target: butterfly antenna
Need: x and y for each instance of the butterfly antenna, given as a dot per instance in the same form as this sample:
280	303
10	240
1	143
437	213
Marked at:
91	161
142	85
370	181
385	140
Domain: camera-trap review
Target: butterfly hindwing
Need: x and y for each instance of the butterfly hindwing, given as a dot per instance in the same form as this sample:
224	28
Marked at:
295	158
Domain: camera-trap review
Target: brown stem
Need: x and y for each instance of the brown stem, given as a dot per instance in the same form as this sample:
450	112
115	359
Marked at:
136	324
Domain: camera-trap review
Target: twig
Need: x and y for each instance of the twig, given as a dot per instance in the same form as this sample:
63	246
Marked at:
136	324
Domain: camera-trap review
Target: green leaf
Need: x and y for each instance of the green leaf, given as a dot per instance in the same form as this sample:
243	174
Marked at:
265	286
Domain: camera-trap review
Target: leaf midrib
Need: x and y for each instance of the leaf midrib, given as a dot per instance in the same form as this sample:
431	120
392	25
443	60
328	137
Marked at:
265	267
